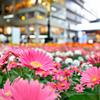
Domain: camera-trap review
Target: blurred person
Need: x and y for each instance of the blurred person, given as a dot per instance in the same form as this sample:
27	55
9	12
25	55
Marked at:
98	38
84	38
7	40
75	38
24	39
3	38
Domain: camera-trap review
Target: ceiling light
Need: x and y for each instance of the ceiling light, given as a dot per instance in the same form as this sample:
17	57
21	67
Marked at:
32	1
8	16
31	28
9	30
23	18
53	9
39	1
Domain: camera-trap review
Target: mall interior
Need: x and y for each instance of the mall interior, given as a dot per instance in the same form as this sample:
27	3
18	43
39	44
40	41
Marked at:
48	21
49	49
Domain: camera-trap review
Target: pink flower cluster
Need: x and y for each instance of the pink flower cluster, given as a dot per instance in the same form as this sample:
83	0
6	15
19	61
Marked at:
91	77
27	90
44	66
95	60
61	78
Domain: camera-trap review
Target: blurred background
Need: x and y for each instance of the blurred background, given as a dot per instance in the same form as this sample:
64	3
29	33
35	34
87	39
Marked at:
41	21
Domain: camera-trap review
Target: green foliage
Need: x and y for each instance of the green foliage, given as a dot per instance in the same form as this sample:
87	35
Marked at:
88	94
97	64
71	94
3	78
22	72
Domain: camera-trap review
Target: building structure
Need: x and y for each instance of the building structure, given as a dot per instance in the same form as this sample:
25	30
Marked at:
77	13
32	17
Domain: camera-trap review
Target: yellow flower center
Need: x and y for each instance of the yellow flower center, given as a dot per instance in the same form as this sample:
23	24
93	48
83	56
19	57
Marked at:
65	78
8	94
36	64
94	79
62	84
43	72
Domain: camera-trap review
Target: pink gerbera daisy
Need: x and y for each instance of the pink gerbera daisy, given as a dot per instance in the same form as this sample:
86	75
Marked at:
95	60
36	59
12	65
60	85
79	88
33	90
5	94
64	85
16	50
91	77
27	90
4	58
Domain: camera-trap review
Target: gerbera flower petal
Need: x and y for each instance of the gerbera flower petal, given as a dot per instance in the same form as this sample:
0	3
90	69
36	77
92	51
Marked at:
36	59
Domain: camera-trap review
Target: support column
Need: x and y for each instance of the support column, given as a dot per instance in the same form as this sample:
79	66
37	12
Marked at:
27	29
37	33
14	4
37	29
3	8
65	35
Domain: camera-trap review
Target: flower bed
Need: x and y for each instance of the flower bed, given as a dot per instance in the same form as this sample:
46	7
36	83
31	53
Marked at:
50	72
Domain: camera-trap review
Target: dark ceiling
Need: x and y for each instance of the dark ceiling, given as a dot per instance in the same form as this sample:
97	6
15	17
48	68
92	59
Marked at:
8	1
5	1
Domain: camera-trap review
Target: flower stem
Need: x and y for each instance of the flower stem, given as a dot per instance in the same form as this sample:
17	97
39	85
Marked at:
97	92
